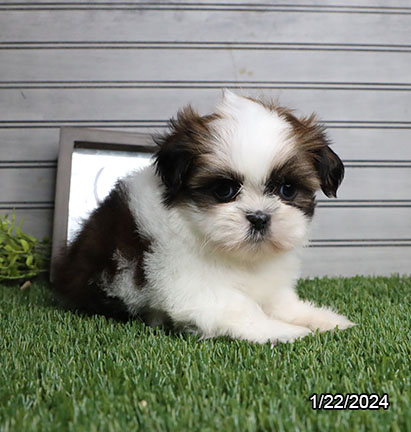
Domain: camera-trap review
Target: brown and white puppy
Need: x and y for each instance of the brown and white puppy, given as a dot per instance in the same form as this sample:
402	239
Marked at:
208	236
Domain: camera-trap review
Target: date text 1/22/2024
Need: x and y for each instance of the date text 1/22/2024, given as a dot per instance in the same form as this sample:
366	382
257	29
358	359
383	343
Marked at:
350	401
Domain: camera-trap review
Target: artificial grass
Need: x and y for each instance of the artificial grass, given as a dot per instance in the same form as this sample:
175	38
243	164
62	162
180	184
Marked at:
60	371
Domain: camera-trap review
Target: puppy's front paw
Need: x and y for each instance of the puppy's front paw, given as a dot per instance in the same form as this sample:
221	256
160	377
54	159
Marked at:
292	333
329	320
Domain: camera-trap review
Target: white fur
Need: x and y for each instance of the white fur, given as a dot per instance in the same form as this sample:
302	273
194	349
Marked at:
200	270
250	138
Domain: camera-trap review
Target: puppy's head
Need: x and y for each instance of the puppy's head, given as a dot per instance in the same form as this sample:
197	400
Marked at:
245	177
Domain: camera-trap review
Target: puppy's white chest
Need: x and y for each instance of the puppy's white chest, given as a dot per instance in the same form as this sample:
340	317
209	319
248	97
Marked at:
261	280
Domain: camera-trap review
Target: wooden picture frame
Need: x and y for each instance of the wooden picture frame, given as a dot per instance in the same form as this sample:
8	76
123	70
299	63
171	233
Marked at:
86	142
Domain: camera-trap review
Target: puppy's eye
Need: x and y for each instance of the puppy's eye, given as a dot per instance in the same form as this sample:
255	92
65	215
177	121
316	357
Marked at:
288	191
226	190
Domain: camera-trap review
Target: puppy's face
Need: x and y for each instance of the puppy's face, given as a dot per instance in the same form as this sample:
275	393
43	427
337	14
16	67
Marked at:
245	177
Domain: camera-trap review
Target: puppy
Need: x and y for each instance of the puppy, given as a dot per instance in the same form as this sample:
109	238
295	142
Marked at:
207	238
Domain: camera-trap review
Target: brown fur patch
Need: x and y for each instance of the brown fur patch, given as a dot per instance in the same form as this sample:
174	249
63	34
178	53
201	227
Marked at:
312	141
109	230
301	174
183	150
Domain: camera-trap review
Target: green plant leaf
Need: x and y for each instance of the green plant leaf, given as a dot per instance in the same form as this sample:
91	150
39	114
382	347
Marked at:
29	238
25	245
29	261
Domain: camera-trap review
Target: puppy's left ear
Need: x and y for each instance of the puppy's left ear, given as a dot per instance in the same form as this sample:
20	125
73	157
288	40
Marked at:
330	170
312	137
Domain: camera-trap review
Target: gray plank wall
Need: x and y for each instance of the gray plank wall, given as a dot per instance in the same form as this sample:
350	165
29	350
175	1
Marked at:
130	66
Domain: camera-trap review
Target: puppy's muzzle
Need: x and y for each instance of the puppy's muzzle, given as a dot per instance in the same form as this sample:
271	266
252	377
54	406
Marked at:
258	220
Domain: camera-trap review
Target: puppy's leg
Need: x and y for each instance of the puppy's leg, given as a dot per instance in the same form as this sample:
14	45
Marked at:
238	317
286	306
257	327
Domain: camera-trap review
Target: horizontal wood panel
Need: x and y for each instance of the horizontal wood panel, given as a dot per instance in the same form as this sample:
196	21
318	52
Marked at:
366	144
376	184
315	4
364	6
27	184
23	144
184	45
204	65
352	261
29	144
361	223
143	104
352	144
203	25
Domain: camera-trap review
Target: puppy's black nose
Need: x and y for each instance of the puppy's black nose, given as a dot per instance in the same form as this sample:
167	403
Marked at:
259	220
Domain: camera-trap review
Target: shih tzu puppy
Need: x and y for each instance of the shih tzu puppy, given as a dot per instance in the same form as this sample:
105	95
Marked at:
207	238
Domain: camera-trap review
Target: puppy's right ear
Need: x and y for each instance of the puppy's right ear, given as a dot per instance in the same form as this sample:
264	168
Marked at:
330	170
176	154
